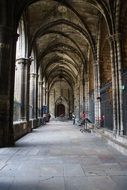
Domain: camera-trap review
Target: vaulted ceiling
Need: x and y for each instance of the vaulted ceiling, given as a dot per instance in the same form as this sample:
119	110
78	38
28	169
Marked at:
63	32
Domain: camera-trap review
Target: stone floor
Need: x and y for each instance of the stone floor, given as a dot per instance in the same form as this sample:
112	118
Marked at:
58	156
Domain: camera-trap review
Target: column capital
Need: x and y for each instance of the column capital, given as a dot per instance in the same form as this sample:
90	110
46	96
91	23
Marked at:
24	61
40	83
33	75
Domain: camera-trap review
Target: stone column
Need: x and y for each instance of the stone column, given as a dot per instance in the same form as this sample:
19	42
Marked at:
119	61
29	60
46	96
114	84
115	46
48	100
33	77
40	97
77	99
84	91
97	99
69	99
17	90
7	69
81	91
97	92
25	88
54	102
118	39
23	63
36	96
86	94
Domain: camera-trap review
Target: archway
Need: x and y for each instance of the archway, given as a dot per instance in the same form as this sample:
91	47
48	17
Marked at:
60	110
20	69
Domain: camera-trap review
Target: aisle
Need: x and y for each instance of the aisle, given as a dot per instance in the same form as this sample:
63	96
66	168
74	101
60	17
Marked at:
58	156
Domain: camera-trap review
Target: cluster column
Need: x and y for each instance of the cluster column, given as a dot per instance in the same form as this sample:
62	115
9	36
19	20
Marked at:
40	97
33	77
97	92
25	88
23	66
77	98
116	83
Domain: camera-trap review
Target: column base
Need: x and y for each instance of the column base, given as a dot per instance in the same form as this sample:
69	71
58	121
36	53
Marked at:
114	132
121	132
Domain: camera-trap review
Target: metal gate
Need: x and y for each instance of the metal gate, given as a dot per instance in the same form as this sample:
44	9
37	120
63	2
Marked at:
106	107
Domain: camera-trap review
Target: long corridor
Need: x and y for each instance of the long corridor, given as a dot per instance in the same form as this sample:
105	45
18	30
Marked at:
58	156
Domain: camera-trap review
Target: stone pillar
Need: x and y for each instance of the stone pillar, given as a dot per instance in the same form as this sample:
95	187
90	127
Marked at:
84	90
40	96
33	77
48	100
46	96
115	45
23	63
118	38
119	61
97	92
54	102
7	69
17	91
25	88
96	68
114	84
25	82
39	99
36	96
29	60
77	99
81	91
86	94
69	99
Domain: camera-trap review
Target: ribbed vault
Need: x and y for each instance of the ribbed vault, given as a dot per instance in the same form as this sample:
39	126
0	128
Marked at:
63	33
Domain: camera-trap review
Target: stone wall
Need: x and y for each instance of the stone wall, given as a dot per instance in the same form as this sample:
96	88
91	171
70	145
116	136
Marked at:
21	128
60	93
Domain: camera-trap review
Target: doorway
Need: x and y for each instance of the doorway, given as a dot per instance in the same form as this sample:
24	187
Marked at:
60	110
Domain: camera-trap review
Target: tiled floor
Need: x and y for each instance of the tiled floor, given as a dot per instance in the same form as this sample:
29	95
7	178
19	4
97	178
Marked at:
59	157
